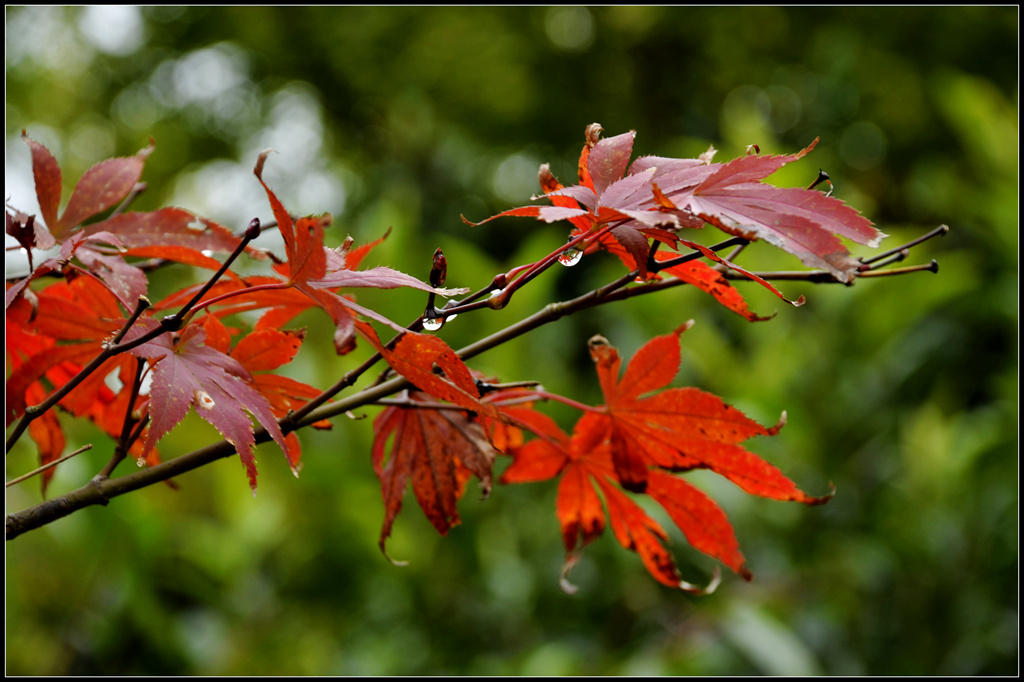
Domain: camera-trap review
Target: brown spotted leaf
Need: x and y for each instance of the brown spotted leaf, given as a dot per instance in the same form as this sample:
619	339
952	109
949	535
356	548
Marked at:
434	450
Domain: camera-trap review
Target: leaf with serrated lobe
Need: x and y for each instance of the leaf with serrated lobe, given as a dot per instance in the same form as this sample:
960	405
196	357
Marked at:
188	373
434	450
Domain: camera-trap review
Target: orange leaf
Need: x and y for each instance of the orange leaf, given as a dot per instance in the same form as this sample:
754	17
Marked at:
711	281
642	430
303	241
267	349
414	357
637	531
702	521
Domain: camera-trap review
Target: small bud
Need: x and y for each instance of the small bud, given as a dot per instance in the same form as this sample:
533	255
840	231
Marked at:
438	269
822	177
253	230
593	134
753	149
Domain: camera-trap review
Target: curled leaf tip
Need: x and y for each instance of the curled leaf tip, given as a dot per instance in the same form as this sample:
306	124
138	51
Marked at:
563	578
815	501
260	160
778	425
874	243
384	551
147	150
716	580
593	134
685	326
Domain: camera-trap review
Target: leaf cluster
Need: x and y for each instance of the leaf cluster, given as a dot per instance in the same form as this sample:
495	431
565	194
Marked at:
83	336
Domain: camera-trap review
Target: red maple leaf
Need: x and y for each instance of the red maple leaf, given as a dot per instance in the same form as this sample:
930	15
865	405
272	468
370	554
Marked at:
169	233
189	373
414	357
262	351
801	221
101	187
605	198
436	450
656	196
81	313
316	270
634	440
50	339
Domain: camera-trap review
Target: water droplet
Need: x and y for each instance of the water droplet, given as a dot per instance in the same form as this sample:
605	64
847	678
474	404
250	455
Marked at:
433	324
570	257
497	292
207	252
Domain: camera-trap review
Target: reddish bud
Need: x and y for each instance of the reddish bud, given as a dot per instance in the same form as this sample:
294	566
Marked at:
253	230
438	269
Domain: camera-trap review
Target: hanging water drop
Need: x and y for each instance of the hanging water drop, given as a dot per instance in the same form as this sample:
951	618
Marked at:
570	257
433	324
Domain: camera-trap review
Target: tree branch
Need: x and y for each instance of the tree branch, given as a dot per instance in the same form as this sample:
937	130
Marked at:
100	490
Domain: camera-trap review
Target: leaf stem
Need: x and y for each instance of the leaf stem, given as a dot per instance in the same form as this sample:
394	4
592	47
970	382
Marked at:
174	322
240	292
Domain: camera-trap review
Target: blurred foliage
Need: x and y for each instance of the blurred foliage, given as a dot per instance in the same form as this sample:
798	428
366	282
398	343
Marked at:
903	392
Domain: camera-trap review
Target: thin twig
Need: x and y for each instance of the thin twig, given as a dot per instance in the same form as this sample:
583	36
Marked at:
115	347
99	491
941	230
33	412
50	465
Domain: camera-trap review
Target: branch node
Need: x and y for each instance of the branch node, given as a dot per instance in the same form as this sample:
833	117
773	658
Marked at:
97	484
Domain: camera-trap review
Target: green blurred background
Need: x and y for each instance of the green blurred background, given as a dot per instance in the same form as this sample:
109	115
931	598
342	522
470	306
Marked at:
902	391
